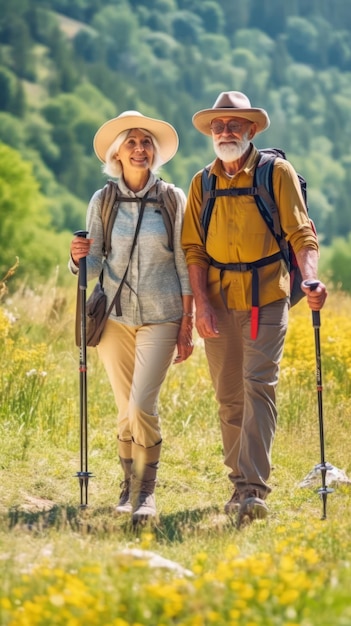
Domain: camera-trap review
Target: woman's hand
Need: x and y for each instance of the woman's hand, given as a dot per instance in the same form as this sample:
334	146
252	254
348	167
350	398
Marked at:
185	344
79	248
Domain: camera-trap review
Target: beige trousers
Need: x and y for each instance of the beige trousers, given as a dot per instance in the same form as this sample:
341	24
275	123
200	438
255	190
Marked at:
245	376
136	360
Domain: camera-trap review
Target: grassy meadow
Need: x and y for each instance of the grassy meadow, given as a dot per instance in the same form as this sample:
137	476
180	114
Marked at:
67	566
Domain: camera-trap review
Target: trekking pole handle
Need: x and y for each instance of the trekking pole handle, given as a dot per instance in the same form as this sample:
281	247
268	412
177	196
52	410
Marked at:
312	285
83	283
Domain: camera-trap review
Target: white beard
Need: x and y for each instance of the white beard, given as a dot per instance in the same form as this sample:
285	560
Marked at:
231	150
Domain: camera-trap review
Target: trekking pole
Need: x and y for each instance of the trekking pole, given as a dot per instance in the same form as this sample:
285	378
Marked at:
83	475
323	466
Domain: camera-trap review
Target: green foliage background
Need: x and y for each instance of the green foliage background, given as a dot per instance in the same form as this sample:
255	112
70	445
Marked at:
67	67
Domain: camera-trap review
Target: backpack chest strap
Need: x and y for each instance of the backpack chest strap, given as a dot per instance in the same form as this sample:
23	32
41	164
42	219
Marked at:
212	194
156	200
231	191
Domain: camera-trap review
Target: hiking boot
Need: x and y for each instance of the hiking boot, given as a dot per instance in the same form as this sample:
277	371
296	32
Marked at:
252	505
233	505
125	453
145	466
124	505
145	507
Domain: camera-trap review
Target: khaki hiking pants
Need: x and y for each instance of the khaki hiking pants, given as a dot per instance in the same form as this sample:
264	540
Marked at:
245	373
136	360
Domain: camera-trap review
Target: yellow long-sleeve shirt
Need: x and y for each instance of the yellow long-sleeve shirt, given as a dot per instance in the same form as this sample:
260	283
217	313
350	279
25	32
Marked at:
238	234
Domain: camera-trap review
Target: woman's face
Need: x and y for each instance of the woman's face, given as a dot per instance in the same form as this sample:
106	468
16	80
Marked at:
136	152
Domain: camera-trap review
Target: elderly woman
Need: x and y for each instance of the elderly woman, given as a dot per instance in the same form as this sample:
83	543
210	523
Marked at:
154	324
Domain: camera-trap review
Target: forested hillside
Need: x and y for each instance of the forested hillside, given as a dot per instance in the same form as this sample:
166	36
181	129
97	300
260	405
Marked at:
66	67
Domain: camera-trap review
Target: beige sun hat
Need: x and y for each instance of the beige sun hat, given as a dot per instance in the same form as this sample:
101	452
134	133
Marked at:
231	104
165	135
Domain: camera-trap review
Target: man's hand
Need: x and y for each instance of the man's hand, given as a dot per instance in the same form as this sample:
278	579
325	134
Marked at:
316	293
206	322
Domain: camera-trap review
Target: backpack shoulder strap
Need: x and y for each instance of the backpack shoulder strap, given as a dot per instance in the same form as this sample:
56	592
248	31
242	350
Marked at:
167	201
263	181
210	193
109	209
111	195
208	185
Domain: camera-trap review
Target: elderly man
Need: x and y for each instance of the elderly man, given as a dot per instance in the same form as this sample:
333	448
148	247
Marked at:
244	346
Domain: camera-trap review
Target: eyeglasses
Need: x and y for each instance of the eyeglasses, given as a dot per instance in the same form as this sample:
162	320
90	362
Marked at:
232	126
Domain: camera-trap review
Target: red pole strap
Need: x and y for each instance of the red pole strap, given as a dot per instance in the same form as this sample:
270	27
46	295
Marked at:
255	311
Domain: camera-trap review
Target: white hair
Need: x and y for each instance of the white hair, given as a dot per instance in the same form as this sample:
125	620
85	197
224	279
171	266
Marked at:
231	150
112	166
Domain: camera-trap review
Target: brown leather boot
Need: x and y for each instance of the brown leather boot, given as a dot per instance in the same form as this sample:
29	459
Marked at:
145	466
253	505
233	505
125	456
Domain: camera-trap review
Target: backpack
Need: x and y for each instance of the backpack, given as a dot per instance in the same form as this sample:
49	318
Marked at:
110	201
262	191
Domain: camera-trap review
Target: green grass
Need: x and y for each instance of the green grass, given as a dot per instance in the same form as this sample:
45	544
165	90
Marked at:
61	564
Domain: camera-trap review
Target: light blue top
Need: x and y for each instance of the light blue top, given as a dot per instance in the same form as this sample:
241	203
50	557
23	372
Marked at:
157	276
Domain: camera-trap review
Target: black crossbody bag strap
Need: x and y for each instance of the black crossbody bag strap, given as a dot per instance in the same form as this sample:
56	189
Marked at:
117	299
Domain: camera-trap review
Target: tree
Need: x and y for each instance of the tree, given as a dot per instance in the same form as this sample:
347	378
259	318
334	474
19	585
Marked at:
255	41
186	27
339	263
12	131
302	40
19	100
339	52
271	15
235	20
66	74
212	16
280	63
215	46
39	138
119	35
7	89
24	219
86	45
20	42
162	45
8	12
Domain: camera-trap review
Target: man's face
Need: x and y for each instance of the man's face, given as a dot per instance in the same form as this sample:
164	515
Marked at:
231	137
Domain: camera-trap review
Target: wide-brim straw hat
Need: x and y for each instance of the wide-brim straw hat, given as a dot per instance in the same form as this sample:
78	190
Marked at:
231	104
165	135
